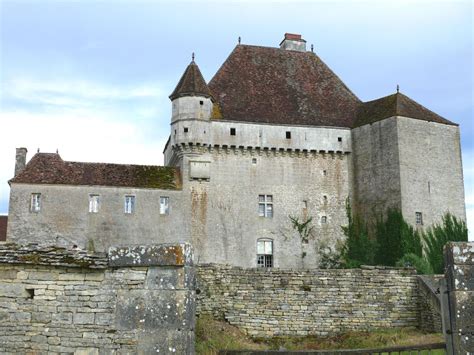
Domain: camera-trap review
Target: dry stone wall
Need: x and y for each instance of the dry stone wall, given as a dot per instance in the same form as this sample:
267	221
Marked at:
55	300
276	302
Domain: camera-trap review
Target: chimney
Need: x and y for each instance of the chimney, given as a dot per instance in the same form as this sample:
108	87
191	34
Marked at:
293	42
20	160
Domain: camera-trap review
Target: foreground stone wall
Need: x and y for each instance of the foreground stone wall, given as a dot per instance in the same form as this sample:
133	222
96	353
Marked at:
133	300
274	302
430	303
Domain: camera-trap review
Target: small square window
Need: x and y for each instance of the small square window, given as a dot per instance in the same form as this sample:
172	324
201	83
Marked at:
35	204
93	203
288	135
339	139
164	205
254	160
324	219
419	218
185	129
325	172
129	204
265	206
201	103
232	131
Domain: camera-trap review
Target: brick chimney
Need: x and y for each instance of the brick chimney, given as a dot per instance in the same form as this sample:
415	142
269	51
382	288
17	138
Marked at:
293	42
20	160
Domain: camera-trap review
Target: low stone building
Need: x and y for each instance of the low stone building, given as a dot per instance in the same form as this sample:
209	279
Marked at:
275	134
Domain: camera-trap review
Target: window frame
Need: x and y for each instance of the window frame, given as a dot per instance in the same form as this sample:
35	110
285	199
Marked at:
265	201
166	210
35	202
265	260
131	209
94	203
419	218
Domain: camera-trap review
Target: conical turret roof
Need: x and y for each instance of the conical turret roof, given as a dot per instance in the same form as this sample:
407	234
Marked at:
191	83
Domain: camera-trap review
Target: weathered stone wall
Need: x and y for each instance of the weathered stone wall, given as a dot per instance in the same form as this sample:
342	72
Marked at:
133	300
459	274
430	303
282	302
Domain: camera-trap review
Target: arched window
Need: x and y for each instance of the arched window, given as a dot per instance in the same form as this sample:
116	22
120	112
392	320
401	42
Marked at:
264	253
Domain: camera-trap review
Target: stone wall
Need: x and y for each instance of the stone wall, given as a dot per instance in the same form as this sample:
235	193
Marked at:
269	302
430	303
133	300
459	274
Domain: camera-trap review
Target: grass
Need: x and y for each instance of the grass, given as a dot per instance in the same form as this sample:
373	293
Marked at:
213	335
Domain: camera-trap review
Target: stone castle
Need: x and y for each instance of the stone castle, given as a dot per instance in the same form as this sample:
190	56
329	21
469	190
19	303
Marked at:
275	134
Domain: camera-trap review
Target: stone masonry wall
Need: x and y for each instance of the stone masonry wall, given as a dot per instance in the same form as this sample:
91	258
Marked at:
275	302
133	300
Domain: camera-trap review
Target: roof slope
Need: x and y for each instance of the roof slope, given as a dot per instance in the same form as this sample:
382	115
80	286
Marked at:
395	105
272	85
191	83
48	168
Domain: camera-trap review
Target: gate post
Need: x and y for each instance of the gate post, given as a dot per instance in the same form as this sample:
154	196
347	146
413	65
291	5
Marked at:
458	297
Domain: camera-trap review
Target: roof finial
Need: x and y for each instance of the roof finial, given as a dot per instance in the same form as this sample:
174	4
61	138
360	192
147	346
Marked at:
398	88
57	151
312	48
239	39
38	150
192	56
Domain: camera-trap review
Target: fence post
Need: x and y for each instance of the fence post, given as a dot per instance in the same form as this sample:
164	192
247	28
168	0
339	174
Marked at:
458	298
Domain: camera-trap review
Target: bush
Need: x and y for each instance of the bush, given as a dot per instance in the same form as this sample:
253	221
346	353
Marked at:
421	265
451	229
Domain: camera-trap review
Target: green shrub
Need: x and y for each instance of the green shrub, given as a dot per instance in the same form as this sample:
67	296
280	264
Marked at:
451	229
421	265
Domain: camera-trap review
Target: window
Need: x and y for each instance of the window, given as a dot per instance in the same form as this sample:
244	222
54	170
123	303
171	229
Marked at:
129	205
288	135
254	160
185	129
339	139
232	131
325	172
35	204
164	205
264	253
419	218
201	103
265	206
324	220
93	203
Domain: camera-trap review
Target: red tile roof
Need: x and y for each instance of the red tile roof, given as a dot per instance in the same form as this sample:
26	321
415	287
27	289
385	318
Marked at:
395	105
3	228
191	83
272	85
49	168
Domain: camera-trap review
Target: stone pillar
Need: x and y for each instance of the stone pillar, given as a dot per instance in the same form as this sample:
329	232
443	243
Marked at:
459	273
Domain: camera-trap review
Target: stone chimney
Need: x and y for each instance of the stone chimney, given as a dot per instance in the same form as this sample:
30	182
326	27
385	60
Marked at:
293	42
20	160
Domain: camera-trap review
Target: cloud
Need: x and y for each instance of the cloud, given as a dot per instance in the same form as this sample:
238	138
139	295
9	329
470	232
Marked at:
84	120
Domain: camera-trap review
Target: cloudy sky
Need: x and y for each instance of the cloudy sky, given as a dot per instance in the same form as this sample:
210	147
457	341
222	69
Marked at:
92	78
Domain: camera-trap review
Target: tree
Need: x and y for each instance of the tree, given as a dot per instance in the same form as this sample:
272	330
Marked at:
358	249
451	229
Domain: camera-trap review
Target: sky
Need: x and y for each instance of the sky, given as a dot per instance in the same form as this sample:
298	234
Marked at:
91	79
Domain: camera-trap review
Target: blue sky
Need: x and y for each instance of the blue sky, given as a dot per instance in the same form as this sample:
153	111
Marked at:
92	78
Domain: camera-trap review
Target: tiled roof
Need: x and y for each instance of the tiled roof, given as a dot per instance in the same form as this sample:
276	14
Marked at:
191	83
3	228
272	85
48	168
395	105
